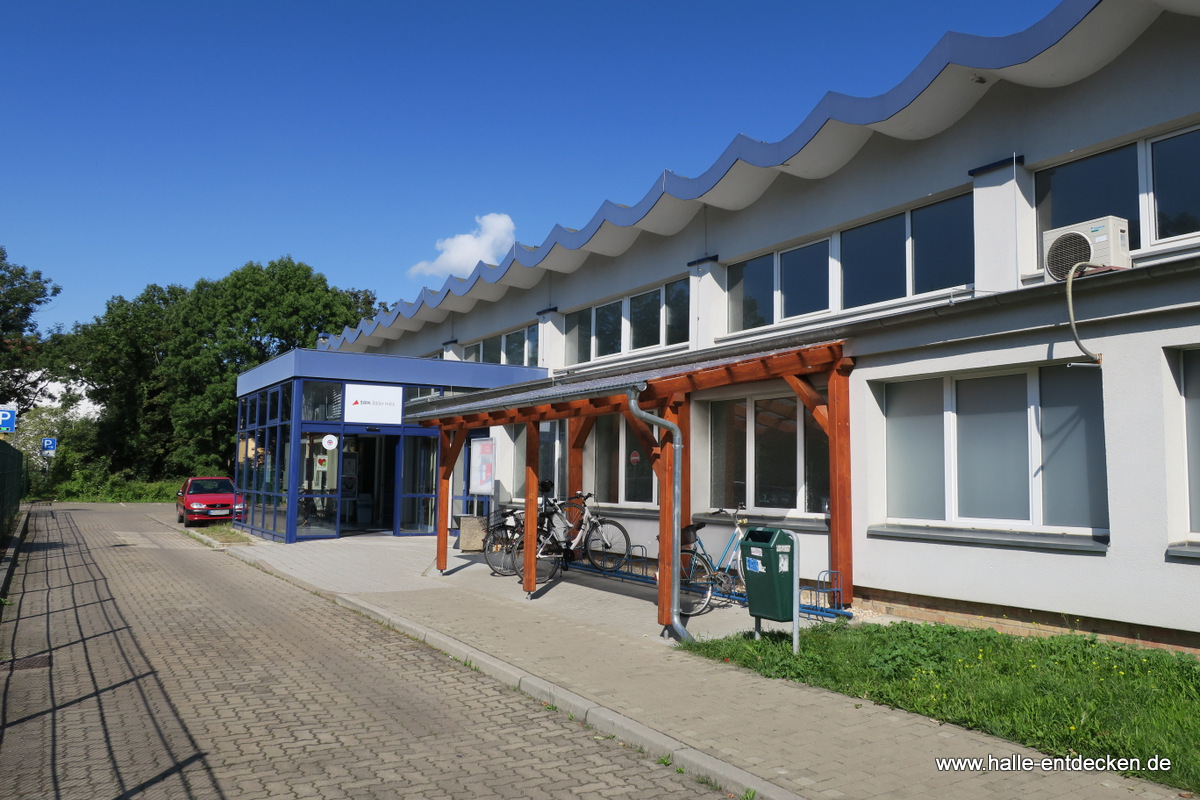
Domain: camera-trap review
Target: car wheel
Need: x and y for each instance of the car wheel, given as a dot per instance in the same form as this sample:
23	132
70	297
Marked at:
178	516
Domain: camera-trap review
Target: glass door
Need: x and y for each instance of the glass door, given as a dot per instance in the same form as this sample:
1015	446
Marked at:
418	483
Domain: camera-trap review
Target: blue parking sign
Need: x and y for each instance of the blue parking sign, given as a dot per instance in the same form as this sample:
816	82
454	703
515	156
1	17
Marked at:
8	420
49	444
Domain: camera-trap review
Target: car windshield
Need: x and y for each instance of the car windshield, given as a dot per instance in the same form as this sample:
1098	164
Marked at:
212	486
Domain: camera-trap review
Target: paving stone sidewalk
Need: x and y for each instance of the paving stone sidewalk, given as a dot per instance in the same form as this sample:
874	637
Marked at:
595	643
150	666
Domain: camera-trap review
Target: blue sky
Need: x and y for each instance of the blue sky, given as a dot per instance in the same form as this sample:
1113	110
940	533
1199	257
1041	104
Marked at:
386	142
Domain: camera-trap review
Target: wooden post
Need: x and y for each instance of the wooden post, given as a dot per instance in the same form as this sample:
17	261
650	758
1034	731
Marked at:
666	515
841	556
449	446
532	445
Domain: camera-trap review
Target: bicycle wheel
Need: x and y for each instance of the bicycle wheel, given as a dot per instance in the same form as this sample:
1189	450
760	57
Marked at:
548	561
499	548
607	545
695	583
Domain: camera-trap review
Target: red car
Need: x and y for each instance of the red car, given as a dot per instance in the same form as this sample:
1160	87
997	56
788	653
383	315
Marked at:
206	499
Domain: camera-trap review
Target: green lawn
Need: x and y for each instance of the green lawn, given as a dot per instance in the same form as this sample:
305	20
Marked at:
1064	695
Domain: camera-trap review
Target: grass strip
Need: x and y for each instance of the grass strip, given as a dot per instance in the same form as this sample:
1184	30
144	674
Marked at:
1064	695
225	534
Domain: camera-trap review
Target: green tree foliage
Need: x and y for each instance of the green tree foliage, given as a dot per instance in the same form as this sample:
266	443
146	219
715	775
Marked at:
117	359
245	319
22	351
164	365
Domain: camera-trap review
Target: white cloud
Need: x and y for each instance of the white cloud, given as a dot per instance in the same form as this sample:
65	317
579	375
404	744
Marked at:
459	254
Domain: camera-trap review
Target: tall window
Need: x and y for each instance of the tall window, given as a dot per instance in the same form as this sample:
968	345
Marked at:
651	319
1191	398
623	473
752	293
1176	163
781	461
1097	186
552	457
1025	447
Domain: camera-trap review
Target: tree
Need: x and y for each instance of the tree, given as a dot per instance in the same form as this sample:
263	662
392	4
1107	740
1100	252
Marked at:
117	359
366	304
22	292
245	319
164	365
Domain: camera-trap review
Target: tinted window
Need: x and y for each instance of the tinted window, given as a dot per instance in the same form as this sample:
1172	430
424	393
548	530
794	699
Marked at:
491	350
678	329
804	278
874	262
579	336
1099	186
514	348
751	293
608	329
1177	184
943	245
645	312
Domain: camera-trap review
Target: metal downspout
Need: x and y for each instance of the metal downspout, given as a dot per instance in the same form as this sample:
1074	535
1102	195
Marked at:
677	494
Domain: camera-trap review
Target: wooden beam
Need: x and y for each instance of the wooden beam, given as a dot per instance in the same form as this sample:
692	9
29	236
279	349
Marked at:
450	443
841	557
532	451
811	398
646	439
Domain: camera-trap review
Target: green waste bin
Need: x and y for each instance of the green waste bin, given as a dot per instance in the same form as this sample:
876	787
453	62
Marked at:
767	565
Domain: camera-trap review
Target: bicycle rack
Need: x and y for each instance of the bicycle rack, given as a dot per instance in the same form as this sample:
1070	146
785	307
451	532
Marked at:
640	568
823	597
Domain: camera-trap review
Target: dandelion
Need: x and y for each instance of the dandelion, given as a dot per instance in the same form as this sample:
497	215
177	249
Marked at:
1072	727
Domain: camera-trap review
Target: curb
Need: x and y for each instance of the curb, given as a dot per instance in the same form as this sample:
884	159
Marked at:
605	720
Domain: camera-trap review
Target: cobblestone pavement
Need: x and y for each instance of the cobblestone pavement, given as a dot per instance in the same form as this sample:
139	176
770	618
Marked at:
142	664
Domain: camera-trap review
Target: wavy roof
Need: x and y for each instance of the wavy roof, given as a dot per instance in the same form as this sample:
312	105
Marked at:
1075	40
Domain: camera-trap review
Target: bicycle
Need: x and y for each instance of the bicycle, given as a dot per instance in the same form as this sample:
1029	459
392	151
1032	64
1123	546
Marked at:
699	578
563	527
606	542
501	541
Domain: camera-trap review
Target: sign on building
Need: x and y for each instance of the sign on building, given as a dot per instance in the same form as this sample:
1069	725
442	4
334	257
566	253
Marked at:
380	405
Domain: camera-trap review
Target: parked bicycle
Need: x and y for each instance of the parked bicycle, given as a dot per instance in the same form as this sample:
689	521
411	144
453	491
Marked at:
501	540
565	526
699	576
605	541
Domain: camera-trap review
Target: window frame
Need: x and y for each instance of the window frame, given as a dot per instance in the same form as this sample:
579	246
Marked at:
1190	418
749	458
1150	192
1146	203
625	439
474	351
952	518
835	283
627	325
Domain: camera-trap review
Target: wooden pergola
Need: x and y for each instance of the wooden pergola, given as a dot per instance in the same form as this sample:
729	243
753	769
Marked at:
667	391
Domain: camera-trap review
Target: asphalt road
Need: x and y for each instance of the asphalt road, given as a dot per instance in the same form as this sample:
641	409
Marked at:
138	663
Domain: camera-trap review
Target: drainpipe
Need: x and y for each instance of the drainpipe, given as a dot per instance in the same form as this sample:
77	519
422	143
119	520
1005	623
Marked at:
677	494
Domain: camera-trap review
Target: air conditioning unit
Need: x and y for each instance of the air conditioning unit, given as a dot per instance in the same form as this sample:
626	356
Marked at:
1101	243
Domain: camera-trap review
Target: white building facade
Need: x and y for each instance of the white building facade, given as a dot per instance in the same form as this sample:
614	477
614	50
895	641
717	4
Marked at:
1005	463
